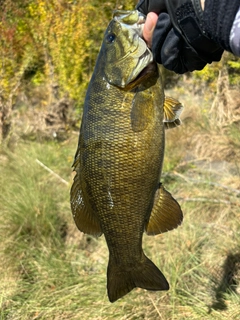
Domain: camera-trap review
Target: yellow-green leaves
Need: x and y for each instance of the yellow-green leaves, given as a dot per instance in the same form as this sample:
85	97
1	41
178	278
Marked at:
65	34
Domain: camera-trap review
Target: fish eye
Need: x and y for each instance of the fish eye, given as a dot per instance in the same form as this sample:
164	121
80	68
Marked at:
110	37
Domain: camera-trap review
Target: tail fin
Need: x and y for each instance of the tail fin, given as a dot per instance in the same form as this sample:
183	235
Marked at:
144	275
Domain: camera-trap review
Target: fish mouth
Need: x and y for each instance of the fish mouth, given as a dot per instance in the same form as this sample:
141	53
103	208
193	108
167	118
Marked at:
129	17
146	73
144	55
143	68
134	63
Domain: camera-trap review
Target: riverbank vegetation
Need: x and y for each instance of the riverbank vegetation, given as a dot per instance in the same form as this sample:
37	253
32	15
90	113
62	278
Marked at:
49	270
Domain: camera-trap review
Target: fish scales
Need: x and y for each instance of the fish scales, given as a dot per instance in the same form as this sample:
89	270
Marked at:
125	162
119	159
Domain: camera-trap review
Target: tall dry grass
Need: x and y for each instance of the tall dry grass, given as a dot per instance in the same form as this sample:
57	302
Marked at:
49	270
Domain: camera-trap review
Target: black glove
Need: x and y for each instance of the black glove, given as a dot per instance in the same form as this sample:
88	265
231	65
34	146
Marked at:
156	6
188	40
172	51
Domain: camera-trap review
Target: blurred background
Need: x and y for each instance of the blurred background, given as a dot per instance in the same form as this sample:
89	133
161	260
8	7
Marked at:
48	269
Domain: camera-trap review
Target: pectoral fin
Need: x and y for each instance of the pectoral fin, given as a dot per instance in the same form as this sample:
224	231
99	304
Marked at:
142	111
172	111
83	215
166	213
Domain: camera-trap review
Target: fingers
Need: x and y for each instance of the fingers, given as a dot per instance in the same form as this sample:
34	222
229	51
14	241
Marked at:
149	26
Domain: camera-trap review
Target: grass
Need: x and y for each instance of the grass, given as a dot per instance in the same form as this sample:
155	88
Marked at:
49	270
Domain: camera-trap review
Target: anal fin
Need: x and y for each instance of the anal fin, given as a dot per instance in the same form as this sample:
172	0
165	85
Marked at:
166	213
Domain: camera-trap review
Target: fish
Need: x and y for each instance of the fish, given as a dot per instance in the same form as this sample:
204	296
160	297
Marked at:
118	163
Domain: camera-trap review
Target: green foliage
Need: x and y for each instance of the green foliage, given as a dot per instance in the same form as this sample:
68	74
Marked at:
233	66
55	44
66	35
209	75
14	47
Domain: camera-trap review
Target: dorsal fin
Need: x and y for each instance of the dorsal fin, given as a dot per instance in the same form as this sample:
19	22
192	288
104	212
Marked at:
172	111
83	214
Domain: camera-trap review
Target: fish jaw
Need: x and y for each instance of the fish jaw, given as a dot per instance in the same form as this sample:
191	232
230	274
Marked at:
135	19
126	53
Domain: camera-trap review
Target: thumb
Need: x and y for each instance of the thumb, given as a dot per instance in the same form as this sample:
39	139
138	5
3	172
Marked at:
149	26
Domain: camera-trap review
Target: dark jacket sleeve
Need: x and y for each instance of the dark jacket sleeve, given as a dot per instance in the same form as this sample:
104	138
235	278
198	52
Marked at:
218	18
235	35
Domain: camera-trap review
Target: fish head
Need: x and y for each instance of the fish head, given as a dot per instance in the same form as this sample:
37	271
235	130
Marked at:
126	54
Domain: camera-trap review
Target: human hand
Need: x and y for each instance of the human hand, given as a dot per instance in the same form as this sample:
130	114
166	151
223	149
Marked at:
156	6
151	8
149	26
171	44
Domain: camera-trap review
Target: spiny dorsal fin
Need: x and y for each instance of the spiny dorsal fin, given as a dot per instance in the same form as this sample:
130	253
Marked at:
166	213
172	111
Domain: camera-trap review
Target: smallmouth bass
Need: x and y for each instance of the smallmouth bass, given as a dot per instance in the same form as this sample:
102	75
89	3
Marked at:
118	163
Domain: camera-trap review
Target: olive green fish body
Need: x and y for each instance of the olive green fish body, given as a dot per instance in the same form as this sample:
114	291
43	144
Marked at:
118	164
